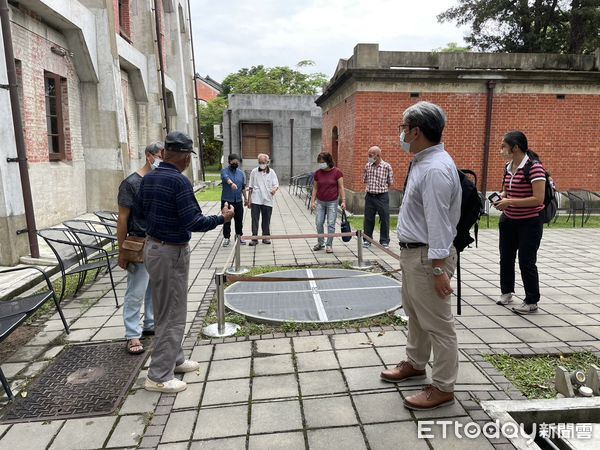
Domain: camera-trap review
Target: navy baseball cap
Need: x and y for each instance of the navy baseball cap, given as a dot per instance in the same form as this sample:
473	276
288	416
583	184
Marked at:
179	142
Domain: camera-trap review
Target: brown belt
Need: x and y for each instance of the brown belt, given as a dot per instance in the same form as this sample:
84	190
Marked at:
150	238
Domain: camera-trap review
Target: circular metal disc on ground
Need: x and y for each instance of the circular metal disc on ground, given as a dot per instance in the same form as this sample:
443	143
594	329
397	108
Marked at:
348	296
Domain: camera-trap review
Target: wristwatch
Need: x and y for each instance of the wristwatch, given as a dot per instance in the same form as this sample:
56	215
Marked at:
438	271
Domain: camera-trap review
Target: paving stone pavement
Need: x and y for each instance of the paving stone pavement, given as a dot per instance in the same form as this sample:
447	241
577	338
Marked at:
319	389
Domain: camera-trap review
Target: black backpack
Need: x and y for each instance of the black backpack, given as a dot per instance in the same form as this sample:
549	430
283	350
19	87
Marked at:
550	199
470	211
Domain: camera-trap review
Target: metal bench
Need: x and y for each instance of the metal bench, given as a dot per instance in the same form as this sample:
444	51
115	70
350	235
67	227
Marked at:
15	311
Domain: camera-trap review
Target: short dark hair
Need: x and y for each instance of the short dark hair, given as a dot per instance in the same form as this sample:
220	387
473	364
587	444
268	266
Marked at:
429	117
326	158
233	156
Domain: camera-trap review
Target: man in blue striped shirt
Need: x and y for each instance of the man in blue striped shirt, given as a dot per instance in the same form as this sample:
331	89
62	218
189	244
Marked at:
172	213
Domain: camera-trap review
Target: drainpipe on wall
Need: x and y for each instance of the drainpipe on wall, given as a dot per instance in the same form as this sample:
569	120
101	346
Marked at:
229	122
491	84
291	148
161	65
18	129
197	104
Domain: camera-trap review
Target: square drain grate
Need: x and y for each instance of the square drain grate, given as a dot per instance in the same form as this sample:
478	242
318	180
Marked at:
83	381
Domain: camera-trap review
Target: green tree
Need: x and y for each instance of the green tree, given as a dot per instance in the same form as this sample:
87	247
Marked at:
274	80
452	47
535	26
210	115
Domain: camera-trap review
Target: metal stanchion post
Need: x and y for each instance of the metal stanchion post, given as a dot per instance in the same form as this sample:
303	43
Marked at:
221	328
359	247
237	269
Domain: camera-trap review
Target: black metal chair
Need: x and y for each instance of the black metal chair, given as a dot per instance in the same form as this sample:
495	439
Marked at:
16	310
75	258
91	232
107	216
591	203
7	326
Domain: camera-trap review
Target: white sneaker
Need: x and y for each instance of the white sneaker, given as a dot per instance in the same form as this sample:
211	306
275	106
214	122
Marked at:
225	242
525	308
187	366
505	299
366	244
170	386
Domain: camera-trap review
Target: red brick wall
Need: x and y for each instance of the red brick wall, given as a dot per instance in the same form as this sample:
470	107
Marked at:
565	133
123	17
205	92
34	56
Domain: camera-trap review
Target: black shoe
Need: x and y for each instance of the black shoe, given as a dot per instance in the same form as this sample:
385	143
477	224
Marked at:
253	243
266	241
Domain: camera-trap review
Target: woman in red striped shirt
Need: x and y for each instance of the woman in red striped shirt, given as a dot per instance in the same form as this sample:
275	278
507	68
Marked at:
521	226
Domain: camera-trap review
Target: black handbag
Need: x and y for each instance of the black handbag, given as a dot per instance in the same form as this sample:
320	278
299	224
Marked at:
345	227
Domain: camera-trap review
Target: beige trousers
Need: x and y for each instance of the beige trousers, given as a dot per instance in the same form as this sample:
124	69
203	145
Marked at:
430	323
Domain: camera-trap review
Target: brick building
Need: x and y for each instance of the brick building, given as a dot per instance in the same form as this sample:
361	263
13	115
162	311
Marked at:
90	95
554	99
207	89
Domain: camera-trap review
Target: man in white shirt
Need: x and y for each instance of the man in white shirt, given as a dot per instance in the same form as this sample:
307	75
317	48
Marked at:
426	229
262	187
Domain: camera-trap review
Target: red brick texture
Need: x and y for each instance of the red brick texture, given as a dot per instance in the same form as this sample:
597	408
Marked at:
564	132
205	92
34	57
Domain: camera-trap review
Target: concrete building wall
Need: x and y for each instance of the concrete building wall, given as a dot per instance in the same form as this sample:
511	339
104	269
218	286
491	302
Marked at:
111	104
559	111
277	110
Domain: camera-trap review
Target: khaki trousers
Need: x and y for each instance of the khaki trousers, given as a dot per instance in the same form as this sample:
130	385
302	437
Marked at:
168	266
430	323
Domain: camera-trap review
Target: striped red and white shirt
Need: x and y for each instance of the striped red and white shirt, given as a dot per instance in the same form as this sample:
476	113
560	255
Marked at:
517	186
378	178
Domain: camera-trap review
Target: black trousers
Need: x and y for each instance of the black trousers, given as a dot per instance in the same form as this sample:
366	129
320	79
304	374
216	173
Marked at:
522	236
238	217
377	204
256	211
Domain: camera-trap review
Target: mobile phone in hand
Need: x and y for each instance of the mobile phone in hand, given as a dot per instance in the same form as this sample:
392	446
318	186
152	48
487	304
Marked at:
494	197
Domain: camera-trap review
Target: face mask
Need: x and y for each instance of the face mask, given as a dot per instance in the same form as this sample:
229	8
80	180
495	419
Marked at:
233	166
323	166
262	166
405	145
156	162
371	160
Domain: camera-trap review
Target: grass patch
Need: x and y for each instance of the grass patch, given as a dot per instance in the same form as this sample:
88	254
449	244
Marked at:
489	223
212	177
534	376
251	328
212	194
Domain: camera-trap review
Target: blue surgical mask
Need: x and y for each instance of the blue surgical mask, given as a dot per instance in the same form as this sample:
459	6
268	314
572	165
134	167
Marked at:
323	166
405	145
156	162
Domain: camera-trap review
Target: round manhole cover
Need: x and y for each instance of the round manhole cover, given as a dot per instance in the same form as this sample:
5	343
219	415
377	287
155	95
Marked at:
348	295
86	375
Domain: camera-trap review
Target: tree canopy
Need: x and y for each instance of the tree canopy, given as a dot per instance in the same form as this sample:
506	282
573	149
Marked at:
535	26
274	80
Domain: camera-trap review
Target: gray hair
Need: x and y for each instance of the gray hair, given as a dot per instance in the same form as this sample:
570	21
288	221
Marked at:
430	118
154	148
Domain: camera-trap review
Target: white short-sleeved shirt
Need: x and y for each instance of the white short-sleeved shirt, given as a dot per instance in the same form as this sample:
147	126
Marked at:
262	183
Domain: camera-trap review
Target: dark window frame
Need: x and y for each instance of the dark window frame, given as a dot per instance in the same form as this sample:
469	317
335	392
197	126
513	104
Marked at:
57	97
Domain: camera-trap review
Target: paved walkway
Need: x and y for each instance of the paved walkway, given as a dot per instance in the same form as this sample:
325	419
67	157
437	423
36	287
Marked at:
319	389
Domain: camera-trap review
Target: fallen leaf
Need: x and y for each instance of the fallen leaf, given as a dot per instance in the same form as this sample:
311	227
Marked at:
381	333
24	394
315	349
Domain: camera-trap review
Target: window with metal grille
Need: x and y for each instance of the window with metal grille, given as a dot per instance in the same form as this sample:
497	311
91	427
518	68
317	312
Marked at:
53	85
256	139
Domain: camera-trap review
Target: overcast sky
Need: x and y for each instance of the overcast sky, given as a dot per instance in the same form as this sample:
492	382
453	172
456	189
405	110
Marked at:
231	34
